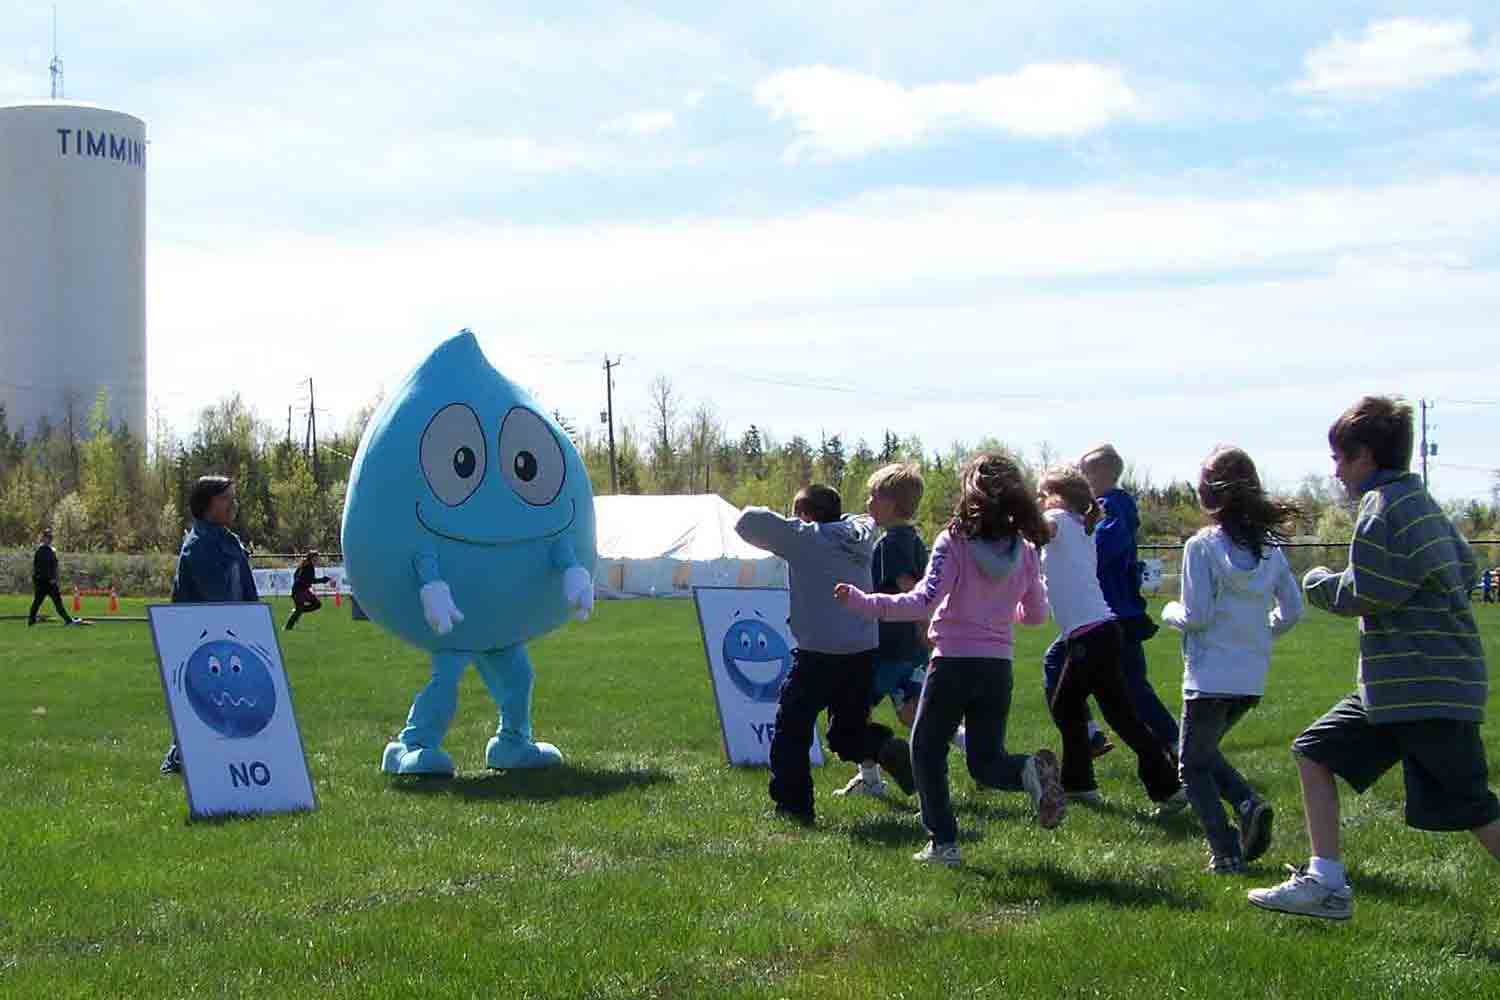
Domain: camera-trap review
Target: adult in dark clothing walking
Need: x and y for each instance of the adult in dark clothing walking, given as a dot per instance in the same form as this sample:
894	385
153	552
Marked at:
44	581
303	598
213	566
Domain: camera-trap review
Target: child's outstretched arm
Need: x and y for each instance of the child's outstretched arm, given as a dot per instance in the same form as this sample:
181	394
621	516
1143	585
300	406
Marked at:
1196	609
1289	606
766	529
916	604
1378	576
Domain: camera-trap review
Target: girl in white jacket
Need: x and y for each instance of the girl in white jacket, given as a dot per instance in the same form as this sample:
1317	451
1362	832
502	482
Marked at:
1238	593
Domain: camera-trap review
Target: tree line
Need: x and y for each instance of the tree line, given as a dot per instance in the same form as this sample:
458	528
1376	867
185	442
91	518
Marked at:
102	487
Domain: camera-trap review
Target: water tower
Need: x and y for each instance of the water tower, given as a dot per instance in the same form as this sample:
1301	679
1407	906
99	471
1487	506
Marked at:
72	264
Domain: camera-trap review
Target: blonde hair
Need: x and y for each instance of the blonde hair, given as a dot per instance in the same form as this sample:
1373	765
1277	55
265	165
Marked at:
1066	482
901	484
1104	457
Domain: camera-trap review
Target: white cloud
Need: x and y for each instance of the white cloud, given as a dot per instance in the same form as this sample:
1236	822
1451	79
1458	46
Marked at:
1399	54
641	123
842	113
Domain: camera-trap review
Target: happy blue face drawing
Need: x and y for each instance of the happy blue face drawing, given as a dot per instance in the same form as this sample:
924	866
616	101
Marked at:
229	686
756	658
462	467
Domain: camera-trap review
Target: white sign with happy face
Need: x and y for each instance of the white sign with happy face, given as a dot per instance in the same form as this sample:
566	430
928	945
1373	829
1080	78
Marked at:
749	648
231	709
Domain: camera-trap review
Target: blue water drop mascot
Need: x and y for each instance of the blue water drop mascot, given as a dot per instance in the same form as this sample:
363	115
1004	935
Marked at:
469	527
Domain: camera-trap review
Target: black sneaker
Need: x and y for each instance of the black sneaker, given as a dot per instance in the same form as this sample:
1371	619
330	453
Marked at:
795	816
172	762
1255	828
895	757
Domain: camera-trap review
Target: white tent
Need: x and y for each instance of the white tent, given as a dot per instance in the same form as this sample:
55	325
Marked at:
664	546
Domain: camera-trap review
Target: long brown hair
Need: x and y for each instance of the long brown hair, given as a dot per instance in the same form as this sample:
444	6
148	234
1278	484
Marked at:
1229	490
1068	484
994	502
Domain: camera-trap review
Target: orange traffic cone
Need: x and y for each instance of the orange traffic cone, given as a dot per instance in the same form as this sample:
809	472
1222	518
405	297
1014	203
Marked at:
77	601
114	602
338	598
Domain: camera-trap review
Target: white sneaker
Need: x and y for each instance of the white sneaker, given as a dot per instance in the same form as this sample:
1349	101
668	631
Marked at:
1306	897
938	854
859	786
1176	803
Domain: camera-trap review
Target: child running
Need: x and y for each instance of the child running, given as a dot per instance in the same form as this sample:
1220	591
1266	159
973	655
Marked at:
1091	665
983	576
1423	681
1233	574
900	560
834	662
304	601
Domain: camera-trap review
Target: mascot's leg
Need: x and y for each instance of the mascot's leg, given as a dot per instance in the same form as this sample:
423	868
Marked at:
507	673
418	750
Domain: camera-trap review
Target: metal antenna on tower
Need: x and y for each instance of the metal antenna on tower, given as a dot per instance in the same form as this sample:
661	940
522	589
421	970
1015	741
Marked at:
56	65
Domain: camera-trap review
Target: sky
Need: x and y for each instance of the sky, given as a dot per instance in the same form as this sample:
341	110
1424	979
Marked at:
1168	223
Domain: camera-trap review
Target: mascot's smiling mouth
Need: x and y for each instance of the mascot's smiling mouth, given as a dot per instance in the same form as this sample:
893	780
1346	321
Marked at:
497	540
222	698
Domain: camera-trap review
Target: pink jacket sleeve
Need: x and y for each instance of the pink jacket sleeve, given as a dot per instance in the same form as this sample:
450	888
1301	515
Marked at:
917	604
1032	608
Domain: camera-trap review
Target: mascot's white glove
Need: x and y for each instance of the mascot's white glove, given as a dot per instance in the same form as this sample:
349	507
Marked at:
438	607
578	590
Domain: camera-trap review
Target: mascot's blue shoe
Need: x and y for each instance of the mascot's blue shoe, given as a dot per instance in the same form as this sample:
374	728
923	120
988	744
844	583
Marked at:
402	759
505	752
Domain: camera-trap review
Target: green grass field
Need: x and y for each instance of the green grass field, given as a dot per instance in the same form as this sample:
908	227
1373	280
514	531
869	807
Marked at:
648	868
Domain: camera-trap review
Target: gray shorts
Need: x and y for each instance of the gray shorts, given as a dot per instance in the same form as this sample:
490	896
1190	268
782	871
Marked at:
1447	778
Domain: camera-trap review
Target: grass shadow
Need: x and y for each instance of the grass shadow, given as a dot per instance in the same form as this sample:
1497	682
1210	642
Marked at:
1011	887
567	781
1393	890
898	831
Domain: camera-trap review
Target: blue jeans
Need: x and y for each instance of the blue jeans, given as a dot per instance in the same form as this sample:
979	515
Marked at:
976	691
1148	705
1207	775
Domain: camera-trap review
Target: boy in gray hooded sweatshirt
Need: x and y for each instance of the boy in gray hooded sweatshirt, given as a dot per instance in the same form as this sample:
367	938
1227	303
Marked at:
833	665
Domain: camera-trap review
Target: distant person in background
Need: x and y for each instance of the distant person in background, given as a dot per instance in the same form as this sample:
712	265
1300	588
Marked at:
1489	586
213	566
303	598
44	581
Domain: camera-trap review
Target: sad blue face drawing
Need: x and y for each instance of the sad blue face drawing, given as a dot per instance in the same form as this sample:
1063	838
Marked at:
756	658
229	686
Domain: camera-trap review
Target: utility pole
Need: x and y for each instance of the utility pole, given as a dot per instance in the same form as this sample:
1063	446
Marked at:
289	425
312	415
1427	449
609	402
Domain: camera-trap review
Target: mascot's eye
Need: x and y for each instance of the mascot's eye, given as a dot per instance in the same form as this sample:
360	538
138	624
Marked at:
234	664
763	642
464	462
526	467
213	665
534	464
453	454
745	641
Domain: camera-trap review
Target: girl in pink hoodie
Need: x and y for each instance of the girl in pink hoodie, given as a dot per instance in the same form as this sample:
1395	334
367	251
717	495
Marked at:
983	575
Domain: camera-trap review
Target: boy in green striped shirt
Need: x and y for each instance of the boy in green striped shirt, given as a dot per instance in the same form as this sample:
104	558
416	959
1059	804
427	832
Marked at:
1422	676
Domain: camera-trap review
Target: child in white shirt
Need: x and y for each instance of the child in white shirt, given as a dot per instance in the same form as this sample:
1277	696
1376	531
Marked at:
1094	642
1238	593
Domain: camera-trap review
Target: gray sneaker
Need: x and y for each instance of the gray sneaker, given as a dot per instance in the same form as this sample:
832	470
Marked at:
1255	829
939	854
1306	897
1229	864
